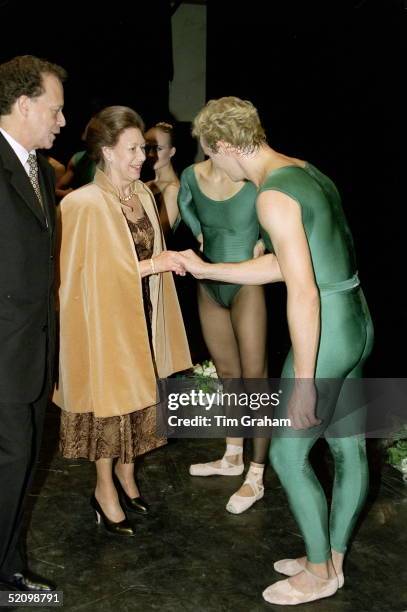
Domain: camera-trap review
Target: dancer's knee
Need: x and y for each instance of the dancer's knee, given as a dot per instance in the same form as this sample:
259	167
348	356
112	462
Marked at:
348	450
278	457
287	458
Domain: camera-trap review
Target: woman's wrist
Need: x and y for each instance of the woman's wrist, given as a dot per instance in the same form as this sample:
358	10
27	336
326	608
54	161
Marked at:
153	270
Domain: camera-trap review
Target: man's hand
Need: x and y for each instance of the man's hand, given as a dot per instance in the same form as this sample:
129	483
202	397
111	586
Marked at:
302	404
193	264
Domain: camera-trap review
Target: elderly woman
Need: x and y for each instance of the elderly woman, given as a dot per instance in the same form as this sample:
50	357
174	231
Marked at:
120	321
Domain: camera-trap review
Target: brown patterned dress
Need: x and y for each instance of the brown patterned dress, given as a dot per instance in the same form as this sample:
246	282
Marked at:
125	437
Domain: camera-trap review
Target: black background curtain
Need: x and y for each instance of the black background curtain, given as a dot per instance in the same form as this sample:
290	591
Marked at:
117	55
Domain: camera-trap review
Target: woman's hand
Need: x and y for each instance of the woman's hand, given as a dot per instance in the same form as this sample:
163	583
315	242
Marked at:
168	261
200	240
259	249
193	264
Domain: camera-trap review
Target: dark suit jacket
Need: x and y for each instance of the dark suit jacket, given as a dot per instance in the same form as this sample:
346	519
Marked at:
27	313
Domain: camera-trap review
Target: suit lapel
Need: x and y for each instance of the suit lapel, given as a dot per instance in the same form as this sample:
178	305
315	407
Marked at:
19	179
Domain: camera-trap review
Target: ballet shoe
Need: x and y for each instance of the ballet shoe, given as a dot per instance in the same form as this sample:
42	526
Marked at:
226	468
240	503
291	567
284	594
209	469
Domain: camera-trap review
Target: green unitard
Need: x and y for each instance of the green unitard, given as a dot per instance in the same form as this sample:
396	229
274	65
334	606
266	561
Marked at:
230	228
346	341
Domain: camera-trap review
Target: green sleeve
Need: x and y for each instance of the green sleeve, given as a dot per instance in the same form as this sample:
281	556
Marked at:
187	206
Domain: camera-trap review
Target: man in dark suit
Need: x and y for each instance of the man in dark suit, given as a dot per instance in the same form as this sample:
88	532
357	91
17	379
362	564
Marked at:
31	101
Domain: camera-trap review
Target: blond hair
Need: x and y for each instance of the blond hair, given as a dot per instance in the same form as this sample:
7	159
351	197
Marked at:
232	120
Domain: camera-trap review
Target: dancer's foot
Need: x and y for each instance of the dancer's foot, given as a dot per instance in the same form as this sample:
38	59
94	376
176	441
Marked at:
291	567
337	560
231	464
302	588
251	490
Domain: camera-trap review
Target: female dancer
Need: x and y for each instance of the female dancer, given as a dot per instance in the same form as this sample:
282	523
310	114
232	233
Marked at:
222	216
165	185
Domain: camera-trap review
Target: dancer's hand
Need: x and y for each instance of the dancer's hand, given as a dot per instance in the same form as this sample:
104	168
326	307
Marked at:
302	404
259	249
200	240
193	264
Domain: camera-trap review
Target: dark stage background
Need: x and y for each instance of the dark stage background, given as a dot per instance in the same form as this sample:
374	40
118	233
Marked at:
121	55
326	77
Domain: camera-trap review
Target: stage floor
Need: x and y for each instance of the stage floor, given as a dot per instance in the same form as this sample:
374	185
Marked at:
189	553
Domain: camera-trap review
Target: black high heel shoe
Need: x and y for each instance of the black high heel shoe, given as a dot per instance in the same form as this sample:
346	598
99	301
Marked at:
135	504
122	528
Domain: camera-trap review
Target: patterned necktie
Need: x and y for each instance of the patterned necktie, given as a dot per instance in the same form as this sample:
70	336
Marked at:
33	174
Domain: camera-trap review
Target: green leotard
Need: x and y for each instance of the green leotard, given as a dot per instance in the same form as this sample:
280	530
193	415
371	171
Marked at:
345	343
229	227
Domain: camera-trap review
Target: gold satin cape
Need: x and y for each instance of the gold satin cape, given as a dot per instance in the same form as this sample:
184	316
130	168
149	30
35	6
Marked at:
105	364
